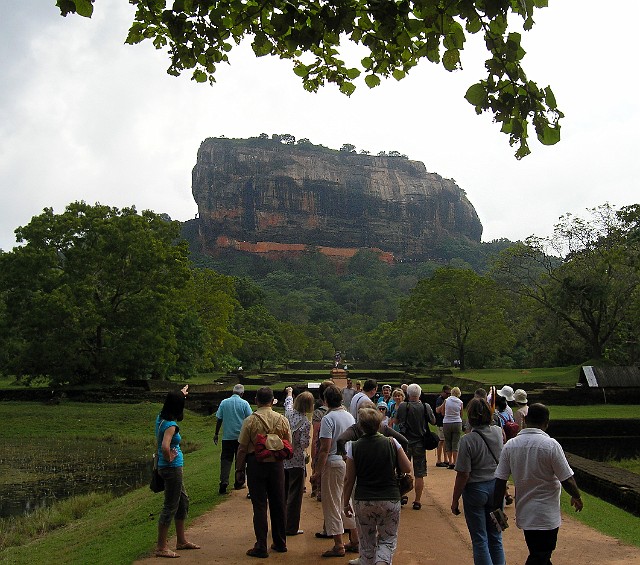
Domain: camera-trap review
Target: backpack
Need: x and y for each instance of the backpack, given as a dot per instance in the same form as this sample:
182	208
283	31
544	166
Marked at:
510	428
271	445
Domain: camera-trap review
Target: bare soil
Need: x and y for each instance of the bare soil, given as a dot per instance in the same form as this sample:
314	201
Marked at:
429	535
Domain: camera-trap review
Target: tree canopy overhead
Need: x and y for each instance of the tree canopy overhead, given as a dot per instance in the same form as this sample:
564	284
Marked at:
396	36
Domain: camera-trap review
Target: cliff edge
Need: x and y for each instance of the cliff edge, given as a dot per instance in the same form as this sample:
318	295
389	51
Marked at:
264	196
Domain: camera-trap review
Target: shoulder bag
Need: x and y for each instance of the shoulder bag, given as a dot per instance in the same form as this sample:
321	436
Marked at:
157	482
405	480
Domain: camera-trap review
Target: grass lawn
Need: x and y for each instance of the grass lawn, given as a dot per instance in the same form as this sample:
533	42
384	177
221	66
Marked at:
604	517
632	465
563	376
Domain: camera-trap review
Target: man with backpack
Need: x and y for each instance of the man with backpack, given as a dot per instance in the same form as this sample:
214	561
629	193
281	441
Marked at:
265	475
413	418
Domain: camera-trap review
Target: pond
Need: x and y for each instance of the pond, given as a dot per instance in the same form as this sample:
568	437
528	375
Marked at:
36	474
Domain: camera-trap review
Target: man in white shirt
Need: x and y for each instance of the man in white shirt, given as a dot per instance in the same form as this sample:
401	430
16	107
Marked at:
539	469
369	390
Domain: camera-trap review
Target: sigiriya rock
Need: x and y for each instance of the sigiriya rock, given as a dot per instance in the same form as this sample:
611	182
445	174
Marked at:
263	196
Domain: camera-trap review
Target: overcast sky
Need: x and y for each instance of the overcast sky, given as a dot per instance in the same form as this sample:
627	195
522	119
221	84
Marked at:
85	117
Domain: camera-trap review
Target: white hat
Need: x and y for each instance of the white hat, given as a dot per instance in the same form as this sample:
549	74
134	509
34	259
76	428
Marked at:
507	392
520	396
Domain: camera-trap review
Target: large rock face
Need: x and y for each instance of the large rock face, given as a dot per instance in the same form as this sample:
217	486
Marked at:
261	195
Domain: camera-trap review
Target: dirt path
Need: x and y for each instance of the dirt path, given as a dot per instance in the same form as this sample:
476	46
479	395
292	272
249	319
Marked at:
430	535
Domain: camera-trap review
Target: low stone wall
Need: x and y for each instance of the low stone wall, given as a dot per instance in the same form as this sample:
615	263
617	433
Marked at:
617	486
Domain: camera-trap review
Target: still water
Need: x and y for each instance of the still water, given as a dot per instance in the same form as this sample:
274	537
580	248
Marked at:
35	476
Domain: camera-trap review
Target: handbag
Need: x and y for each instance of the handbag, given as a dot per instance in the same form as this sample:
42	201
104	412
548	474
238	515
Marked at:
157	482
405	480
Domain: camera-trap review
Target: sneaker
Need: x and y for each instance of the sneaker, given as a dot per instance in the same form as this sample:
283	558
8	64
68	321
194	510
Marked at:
442	464
451	467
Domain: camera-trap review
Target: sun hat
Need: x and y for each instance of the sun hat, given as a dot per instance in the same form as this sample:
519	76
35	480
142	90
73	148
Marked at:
520	396
507	392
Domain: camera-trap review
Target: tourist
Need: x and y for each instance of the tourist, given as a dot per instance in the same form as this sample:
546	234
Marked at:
539	469
478	456
444	394
367	393
507	393
451	409
319	411
414	418
231	412
371	466
264	478
398	398
330	472
294	469
170	466
347	393
520	398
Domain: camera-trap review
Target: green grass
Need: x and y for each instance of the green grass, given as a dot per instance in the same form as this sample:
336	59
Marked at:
597	412
605	517
632	465
563	376
117	529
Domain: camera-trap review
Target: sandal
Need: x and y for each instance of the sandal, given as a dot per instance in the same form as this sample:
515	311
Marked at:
187	545
166	553
352	547
417	506
334	552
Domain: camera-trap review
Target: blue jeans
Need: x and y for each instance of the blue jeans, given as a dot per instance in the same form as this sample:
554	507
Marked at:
486	539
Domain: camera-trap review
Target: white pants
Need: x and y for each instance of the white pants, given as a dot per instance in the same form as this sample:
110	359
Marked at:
335	520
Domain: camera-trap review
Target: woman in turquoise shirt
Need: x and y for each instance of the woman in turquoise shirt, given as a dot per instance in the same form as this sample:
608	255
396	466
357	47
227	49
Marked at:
170	463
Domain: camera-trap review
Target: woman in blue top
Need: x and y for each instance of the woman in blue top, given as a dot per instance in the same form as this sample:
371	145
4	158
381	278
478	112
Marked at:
176	501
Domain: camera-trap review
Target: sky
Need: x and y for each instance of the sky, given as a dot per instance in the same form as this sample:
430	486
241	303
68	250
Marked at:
85	117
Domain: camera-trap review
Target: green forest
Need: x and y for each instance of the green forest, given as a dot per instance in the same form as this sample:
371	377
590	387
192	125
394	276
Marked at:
96	294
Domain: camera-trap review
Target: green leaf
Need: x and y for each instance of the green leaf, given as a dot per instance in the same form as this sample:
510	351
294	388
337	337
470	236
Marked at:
372	80
84	8
398	74
451	59
301	70
353	73
367	62
548	135
199	76
347	88
549	98
476	95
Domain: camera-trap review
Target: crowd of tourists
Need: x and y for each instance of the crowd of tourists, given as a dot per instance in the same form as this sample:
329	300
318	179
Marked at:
356	441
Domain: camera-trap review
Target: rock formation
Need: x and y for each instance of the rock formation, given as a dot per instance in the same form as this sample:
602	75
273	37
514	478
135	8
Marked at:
263	196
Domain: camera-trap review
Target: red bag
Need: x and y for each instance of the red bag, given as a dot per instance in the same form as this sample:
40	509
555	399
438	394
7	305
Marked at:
510	428
271	445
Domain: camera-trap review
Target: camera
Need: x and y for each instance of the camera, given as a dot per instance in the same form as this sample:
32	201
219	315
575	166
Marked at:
500	520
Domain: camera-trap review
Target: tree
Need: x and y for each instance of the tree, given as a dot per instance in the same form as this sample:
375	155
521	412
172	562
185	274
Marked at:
92	293
348	148
460	313
209	301
199	34
587	274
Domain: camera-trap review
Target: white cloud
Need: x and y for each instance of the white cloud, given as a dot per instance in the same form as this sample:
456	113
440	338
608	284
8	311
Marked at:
83	116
